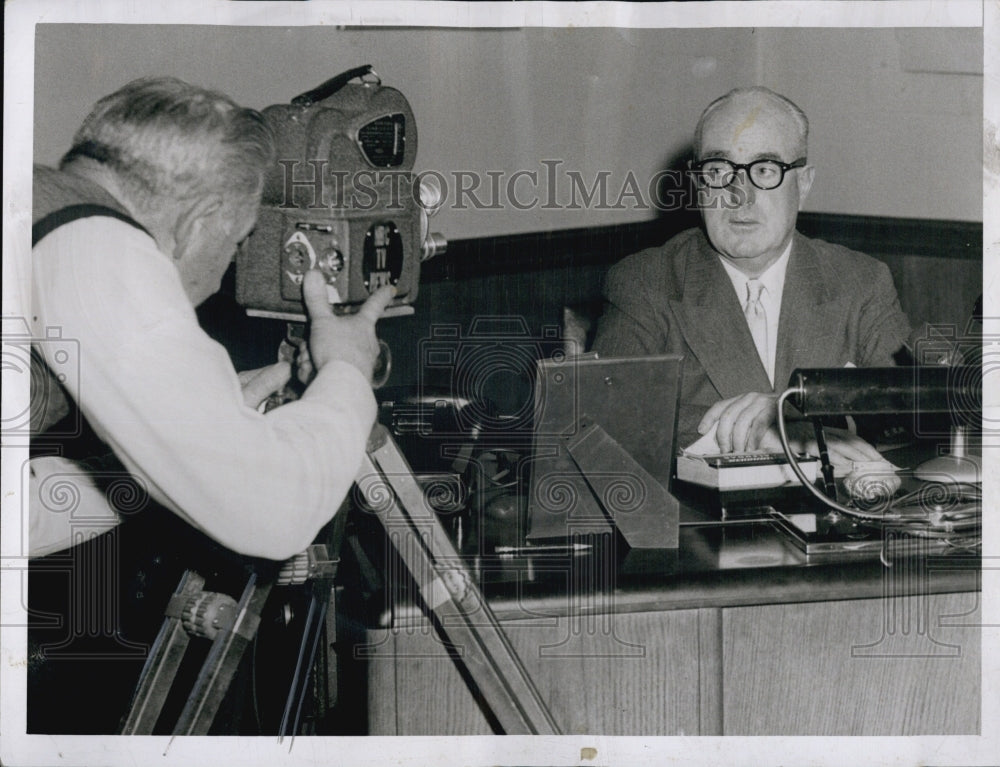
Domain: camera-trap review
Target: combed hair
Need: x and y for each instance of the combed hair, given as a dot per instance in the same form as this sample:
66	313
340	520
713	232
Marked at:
166	139
758	91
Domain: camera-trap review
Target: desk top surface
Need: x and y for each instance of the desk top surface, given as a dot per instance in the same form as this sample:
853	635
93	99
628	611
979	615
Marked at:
719	563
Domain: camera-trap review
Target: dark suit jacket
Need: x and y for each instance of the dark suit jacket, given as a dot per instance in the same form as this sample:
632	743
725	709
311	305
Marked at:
838	306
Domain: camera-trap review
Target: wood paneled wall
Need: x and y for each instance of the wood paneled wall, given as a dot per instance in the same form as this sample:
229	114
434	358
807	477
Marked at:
936	265
529	278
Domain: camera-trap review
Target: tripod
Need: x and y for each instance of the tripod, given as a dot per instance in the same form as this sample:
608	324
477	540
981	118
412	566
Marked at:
448	591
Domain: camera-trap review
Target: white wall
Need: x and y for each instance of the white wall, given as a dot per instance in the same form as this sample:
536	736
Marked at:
622	101
891	133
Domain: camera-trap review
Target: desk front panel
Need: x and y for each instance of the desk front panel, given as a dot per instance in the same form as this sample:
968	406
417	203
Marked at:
891	666
899	665
614	674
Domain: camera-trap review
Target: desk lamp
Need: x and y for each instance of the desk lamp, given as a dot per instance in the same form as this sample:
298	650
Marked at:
822	392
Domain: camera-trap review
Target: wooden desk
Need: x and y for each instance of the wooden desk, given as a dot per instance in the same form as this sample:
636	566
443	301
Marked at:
740	634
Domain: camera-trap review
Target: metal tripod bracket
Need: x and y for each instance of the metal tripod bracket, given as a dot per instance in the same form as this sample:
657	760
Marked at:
230	626
191	612
647	516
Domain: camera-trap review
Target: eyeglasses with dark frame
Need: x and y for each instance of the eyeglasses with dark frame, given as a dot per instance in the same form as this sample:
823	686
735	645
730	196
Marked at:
718	172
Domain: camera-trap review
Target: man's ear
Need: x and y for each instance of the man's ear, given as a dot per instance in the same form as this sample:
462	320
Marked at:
192	216
806	175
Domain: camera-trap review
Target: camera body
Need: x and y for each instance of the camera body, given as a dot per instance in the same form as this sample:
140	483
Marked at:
340	198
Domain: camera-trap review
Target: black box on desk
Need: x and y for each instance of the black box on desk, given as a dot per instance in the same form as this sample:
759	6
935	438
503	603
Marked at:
738	504
741	484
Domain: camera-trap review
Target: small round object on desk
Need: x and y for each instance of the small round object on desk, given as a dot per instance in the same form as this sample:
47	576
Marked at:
872	481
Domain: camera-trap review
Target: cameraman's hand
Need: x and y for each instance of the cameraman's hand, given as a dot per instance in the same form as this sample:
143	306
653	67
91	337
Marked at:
743	421
261	383
300	359
350	338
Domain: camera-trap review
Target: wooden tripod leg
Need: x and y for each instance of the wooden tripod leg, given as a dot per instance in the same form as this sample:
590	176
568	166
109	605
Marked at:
304	666
449	590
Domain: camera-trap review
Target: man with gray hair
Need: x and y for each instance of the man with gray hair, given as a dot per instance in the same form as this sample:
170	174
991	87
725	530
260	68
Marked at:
748	299
132	232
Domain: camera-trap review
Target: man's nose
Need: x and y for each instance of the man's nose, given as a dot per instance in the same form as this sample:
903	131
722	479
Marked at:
741	189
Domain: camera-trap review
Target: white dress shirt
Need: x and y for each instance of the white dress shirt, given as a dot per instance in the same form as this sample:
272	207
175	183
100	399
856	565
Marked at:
773	280
166	398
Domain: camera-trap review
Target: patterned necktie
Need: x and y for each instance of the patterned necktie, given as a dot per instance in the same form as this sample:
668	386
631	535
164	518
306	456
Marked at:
757	319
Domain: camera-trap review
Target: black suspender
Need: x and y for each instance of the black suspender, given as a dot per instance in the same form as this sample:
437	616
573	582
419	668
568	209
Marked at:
70	213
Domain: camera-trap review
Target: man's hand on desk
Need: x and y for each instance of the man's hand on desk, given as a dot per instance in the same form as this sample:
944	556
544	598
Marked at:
742	421
747	423
349	338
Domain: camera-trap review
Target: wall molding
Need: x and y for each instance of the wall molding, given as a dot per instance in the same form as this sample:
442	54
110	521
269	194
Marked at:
567	248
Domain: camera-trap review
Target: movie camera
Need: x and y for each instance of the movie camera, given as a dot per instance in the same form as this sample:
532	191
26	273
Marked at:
341	197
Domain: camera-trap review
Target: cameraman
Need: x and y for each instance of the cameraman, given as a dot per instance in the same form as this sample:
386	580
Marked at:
177	172
134	231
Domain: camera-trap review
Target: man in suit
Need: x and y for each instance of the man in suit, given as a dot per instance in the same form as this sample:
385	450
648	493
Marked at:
748	299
